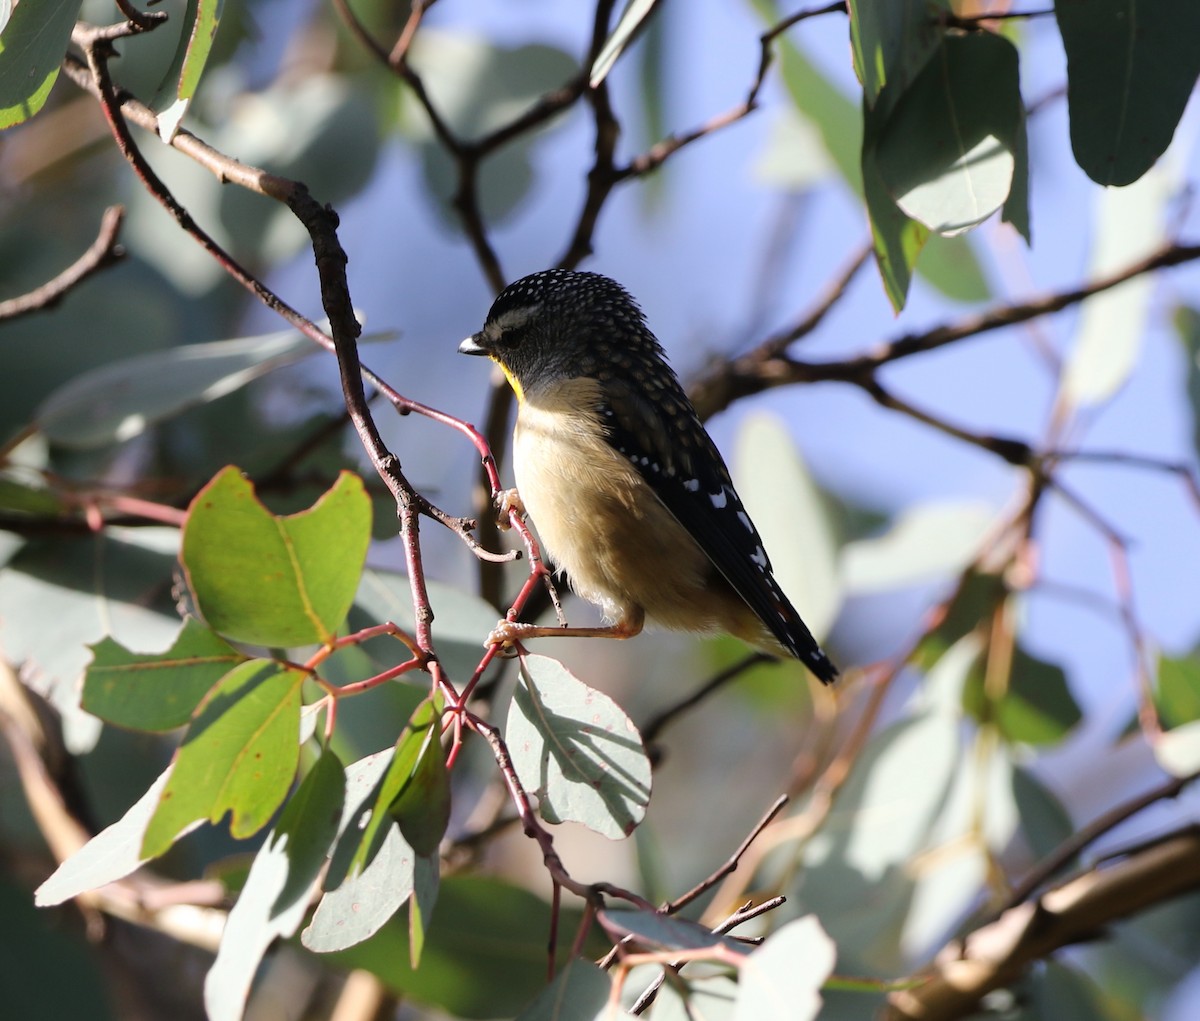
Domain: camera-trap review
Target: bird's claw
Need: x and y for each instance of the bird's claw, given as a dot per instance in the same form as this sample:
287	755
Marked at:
506	502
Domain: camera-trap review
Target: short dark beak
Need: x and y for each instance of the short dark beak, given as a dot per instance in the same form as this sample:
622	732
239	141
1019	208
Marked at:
471	346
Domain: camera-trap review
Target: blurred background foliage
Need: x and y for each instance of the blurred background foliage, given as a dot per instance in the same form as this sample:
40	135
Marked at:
1020	645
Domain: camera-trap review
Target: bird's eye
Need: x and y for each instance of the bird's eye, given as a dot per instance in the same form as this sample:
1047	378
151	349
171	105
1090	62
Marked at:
514	336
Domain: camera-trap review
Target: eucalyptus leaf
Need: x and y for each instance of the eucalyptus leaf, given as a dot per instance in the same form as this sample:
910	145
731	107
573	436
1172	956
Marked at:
175	93
782	979
31	52
270	580
635	13
947	153
928	542
274	899
239	755
122	399
576	751
156	691
1129	224
1131	68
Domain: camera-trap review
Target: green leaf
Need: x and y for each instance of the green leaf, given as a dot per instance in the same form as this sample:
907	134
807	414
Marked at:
897	239
782	979
156	691
422	808
171	101
122	399
576	751
949	264
239	755
31	50
793	519
1037	708
1044	821
635	13
486	929
1178	692
926	543
1187	323
579	992
710	998
269	580
975	602
891	42
947	151
413	791
113	853
275	897
1131	67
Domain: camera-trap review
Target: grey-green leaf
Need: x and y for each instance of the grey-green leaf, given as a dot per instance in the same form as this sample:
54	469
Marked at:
275	896
576	750
120	400
782	979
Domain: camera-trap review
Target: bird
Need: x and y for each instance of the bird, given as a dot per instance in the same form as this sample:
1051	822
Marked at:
628	494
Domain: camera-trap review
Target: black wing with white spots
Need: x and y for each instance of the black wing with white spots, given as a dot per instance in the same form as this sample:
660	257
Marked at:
650	421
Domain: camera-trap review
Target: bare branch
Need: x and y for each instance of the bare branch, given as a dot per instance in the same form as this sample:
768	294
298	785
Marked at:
101	253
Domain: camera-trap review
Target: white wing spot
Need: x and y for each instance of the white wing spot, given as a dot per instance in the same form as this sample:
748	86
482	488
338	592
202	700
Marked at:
692	485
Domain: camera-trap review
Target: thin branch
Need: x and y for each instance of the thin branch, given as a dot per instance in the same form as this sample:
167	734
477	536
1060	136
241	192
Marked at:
725	382
105	251
730	864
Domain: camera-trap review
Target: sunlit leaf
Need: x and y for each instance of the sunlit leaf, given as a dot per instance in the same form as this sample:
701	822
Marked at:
576	751
1178	750
484	928
947	152
636	12
31	50
274	899
112	854
239	755
782	979
156	691
171	101
270	580
1131	67
1178	692
897	239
